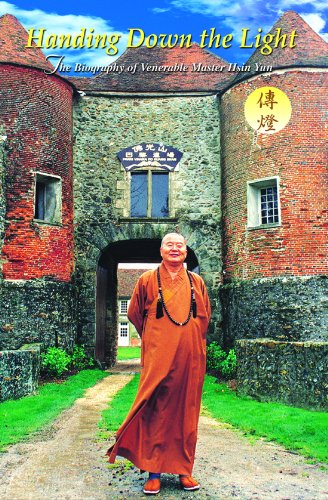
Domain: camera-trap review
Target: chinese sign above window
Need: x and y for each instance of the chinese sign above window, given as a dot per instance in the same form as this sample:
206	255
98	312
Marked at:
149	155
268	110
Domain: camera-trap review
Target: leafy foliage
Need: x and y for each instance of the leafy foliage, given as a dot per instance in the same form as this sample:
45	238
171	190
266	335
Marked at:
80	360
229	364
55	361
219	363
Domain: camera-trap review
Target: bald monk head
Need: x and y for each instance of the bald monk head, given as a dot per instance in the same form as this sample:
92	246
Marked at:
173	250
174	236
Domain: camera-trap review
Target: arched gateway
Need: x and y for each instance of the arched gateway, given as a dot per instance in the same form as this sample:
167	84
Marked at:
132	251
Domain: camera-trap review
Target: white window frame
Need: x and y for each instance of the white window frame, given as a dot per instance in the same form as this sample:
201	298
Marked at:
123	326
254	202
127	305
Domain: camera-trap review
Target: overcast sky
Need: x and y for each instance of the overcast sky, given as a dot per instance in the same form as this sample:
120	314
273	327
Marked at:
155	17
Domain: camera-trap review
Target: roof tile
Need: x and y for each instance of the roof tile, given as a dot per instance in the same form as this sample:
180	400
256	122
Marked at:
126	281
13	41
162	81
310	49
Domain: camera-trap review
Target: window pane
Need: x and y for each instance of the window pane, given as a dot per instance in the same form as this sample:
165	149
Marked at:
139	194
40	200
124	330
124	307
160	195
50	201
269	205
47	199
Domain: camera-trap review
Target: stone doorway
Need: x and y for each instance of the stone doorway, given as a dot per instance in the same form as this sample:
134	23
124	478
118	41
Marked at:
126	251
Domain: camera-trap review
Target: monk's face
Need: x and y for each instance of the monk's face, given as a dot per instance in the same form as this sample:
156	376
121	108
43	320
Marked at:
174	249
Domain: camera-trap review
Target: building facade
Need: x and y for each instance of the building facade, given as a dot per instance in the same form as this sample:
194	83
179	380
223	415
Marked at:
252	206
126	280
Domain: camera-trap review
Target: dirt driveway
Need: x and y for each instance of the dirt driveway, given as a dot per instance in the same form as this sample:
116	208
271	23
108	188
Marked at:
67	462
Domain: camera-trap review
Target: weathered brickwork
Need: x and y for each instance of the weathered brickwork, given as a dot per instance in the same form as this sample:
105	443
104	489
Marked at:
2	192
19	372
37	311
275	279
292	372
36	115
298	155
104	126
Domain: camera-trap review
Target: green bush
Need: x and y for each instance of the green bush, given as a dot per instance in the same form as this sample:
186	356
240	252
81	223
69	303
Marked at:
229	365
215	357
55	361
219	363
80	360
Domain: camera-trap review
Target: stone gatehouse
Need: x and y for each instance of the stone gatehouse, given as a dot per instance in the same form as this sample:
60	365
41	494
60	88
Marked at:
67	204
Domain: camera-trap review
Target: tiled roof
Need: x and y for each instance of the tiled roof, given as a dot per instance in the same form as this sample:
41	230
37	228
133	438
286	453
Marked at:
13	41
161	81
126	281
310	49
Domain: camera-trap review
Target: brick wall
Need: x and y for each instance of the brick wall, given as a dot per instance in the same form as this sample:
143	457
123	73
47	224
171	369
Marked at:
2	197
36	112
298	155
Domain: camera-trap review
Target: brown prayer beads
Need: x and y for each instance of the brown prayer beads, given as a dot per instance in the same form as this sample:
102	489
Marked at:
161	304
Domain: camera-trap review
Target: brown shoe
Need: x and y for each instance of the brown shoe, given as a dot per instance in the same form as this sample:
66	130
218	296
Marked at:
188	483
152	487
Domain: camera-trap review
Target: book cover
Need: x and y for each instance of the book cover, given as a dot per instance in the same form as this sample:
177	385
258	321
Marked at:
120	123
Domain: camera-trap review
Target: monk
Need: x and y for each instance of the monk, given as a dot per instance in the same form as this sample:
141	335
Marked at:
170	310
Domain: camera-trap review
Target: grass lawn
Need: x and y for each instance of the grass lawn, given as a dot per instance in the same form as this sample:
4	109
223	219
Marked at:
128	352
118	407
297	429
21	417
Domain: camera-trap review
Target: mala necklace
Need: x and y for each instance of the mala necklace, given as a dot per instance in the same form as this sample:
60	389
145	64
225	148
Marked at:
161	304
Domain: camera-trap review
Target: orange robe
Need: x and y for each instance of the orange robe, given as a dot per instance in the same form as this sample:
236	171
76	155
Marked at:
159	433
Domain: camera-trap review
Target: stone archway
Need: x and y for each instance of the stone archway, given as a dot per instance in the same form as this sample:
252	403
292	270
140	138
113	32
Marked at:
136	250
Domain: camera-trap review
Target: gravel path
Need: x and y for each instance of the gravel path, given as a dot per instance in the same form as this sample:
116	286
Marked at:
67	462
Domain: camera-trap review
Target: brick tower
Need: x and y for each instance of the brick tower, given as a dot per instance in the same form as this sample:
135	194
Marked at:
36	214
274	190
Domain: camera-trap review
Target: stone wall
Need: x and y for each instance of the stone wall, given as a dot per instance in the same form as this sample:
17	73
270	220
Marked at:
19	372
37	311
103	126
281	308
290	372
